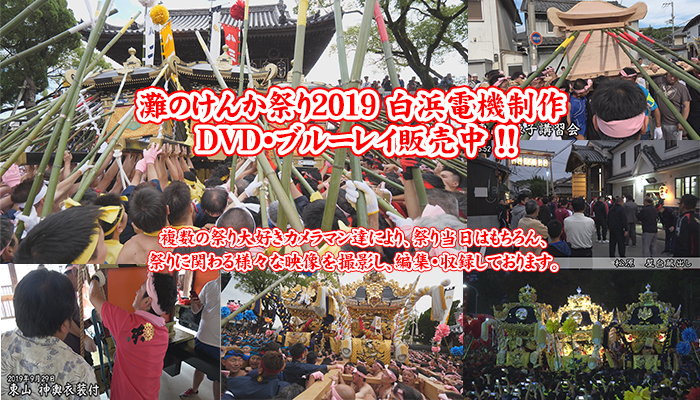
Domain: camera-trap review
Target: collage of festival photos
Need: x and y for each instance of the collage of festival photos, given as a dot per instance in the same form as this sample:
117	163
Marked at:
188	213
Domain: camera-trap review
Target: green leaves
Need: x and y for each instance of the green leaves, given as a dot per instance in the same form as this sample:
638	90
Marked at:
51	19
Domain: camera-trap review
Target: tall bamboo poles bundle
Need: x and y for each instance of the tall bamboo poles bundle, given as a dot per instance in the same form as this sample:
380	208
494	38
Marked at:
71	100
662	97
297	70
339	162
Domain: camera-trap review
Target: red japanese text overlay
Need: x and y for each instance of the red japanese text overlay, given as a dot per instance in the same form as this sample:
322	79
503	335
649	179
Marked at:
347	261
427	123
440	243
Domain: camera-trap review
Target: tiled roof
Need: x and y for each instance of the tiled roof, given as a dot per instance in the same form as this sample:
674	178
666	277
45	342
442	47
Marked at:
563	5
588	154
660	163
267	16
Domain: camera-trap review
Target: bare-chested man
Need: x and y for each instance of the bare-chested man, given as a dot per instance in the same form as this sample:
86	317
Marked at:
362	390
149	214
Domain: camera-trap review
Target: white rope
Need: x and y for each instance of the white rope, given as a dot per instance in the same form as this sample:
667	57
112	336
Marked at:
118	158
88	110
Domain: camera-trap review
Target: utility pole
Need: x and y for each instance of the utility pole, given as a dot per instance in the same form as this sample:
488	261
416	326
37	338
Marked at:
531	28
673	23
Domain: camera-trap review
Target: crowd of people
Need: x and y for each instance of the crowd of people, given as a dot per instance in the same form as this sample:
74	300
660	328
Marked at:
134	196
385	85
571	226
274	372
619	107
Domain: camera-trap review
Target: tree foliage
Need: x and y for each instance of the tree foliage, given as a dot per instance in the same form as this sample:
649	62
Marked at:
538	186
422	33
49	20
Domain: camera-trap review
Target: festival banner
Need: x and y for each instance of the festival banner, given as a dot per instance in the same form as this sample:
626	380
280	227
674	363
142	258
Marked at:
232	37
167	41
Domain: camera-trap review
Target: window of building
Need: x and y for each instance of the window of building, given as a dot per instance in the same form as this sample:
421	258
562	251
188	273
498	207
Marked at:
637	150
687	185
550	27
670	144
474	11
623	159
628	191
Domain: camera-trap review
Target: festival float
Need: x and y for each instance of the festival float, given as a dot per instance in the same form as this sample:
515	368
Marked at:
578	339
518	329
646	327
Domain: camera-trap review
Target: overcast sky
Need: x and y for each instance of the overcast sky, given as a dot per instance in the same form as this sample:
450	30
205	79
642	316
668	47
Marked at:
326	69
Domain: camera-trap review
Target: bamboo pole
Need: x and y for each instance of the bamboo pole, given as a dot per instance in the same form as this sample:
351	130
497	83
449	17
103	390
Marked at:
38	182
262	198
26	112
284	200
297	70
366	170
662	96
244	44
21	17
260	295
68	110
339	161
672	69
122	124
32	135
673	53
355	75
386	46
212	62
48	42
551	58
382	203
11	138
573	60
393	75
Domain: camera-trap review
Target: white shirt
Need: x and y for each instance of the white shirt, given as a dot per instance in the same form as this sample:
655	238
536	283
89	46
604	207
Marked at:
580	231
209	331
63	373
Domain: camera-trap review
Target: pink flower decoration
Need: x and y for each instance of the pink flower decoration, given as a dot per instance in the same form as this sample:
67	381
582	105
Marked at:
461	338
441	332
435	349
461	319
233	306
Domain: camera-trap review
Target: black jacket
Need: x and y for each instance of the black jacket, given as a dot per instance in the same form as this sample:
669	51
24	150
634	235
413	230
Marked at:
688	243
617	218
600	210
647	217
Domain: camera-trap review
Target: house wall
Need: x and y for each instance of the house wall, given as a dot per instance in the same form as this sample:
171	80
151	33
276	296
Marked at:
494	32
638	180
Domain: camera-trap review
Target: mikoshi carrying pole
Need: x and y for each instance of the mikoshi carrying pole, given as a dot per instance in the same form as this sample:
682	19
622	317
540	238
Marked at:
260	295
244	43
551	58
297	70
629	41
21	17
662	97
664	48
393	75
573	60
123	122
68	111
48	42
339	161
